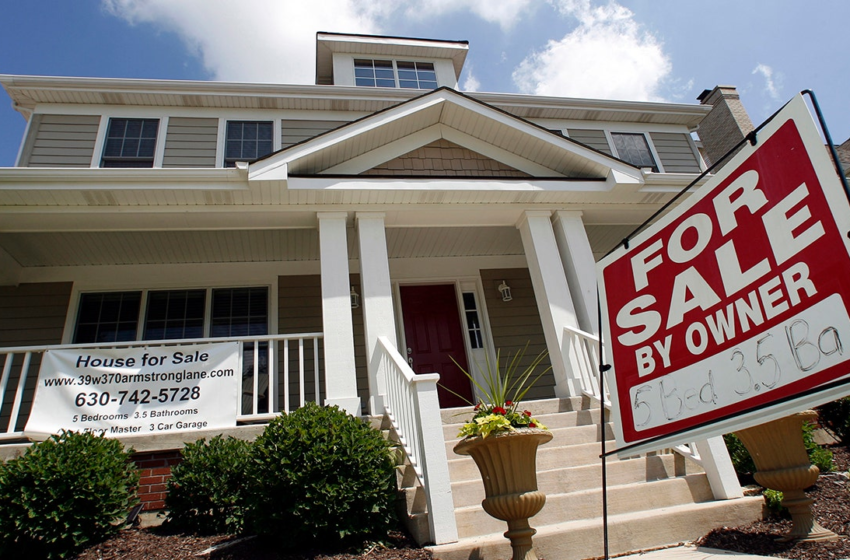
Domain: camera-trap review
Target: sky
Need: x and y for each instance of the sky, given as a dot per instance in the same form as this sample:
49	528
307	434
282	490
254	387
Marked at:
641	50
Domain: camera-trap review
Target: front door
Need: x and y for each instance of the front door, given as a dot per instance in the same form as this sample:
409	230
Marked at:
434	336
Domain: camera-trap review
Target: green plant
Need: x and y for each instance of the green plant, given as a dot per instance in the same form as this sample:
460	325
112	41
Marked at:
502	391
818	456
773	501
835	417
67	492
207	490
321	475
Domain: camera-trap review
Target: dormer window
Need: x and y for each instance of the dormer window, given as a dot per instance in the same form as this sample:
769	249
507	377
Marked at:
633	148
395	74
130	143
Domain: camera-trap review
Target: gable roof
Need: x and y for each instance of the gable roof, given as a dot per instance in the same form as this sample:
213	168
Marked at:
443	114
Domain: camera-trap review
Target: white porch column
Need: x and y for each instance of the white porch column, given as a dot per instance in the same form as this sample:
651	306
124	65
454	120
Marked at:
553	295
718	468
579	267
378	317
340	375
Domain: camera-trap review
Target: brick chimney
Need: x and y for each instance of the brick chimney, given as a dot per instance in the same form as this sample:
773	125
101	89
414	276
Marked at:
726	124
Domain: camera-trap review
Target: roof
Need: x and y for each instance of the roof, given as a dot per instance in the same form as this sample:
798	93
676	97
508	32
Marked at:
28	91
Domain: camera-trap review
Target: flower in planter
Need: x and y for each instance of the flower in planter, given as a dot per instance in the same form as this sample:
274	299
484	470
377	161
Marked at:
502	391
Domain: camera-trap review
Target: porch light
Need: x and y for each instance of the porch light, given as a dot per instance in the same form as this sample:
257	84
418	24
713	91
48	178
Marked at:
506	291
355	299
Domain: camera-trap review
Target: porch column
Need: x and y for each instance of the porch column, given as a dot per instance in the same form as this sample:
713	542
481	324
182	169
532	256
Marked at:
378	316
579	267
552	294
340	375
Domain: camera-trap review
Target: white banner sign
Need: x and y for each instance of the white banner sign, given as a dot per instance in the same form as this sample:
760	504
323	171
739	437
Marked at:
137	391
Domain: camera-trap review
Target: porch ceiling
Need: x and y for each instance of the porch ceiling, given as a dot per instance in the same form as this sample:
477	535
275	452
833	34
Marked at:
58	249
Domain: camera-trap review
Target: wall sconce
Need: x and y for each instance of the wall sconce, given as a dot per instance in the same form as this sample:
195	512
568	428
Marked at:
355	299
506	291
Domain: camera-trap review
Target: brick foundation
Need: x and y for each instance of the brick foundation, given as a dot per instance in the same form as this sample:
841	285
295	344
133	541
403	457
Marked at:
154	472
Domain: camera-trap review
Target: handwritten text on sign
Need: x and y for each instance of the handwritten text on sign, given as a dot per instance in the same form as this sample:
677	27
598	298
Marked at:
137	391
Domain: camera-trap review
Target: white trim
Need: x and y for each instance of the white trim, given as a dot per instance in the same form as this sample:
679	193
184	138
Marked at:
496	153
454	184
23	141
220	138
161	134
609	135
100	139
364	162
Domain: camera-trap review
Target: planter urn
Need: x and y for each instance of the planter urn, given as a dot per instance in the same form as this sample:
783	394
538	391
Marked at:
782	464
508	465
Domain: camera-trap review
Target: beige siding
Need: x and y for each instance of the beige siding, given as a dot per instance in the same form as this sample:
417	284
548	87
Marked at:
675	152
293	132
30	315
594	138
444	159
517	322
190	142
300	311
60	141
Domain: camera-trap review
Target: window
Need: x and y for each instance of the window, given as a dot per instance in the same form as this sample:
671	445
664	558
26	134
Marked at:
473	324
175	314
247	141
383	73
109	317
130	143
633	148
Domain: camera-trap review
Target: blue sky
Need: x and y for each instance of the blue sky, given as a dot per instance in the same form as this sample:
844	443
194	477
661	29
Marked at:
666	50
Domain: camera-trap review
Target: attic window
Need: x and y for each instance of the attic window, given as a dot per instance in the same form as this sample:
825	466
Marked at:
395	74
130	143
633	148
247	141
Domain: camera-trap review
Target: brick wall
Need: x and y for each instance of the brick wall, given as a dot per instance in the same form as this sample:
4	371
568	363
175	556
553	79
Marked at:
727	124
154	472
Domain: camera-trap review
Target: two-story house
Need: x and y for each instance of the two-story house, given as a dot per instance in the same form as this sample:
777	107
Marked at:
348	234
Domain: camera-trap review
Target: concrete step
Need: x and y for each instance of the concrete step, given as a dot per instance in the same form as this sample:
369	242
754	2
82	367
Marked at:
560	437
548	458
545	406
576	540
576	479
473	521
551	421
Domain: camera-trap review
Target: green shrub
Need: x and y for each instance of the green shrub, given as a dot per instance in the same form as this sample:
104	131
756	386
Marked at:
67	492
745	467
206	492
320	475
835	417
773	501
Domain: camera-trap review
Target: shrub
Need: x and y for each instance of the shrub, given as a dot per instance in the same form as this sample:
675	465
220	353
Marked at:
64	493
835	417
773	501
320	475
206	491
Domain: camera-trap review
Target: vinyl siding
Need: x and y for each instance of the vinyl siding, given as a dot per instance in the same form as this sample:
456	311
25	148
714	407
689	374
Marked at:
300	311
30	315
293	131
675	152
517	322
594	138
190	142
60	141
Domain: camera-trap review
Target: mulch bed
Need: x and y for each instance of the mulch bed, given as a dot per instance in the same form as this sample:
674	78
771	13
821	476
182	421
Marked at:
831	508
158	544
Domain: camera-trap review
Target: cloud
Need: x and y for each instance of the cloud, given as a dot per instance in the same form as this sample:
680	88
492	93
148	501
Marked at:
471	83
505	13
253	40
608	55
771	86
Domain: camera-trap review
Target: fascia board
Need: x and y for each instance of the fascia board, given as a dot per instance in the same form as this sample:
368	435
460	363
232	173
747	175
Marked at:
443	184
32	178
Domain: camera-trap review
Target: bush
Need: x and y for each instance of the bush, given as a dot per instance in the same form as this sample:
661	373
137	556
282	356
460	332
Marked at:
206	492
64	493
773	501
835	417
745	467
320	475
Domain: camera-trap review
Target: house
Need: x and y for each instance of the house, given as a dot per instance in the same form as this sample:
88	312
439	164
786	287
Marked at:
345	234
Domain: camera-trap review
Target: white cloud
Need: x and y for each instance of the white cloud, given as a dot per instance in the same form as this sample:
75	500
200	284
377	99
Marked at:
505	13
771	85
471	83
253	40
608	55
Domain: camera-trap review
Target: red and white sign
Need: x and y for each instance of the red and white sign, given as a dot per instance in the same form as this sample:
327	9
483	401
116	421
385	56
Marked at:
736	299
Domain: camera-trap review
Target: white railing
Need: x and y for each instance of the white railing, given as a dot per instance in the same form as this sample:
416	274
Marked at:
260	368
585	348
411	404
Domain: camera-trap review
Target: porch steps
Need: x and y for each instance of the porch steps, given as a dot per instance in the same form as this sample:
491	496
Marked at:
653	500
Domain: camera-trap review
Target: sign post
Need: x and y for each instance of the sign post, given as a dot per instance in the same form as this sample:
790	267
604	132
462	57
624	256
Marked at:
732	309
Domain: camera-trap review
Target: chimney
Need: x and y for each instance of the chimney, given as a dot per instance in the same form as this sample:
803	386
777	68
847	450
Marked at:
726	124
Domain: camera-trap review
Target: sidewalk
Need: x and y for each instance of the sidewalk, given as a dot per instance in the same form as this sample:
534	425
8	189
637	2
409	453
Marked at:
687	552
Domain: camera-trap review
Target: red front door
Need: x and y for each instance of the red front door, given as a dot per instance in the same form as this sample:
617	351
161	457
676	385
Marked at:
434	336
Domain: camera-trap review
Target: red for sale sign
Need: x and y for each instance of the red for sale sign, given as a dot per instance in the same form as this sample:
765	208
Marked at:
736	299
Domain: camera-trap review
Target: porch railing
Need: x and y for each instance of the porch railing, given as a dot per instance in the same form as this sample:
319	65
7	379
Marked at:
272	366
585	347
411	404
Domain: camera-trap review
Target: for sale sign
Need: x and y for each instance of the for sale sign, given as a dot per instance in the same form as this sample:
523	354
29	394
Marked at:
732	310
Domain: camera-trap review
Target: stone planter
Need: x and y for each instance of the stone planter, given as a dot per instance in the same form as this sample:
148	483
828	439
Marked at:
508	465
783	464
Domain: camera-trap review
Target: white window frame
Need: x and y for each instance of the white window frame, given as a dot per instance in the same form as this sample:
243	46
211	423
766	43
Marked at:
103	128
